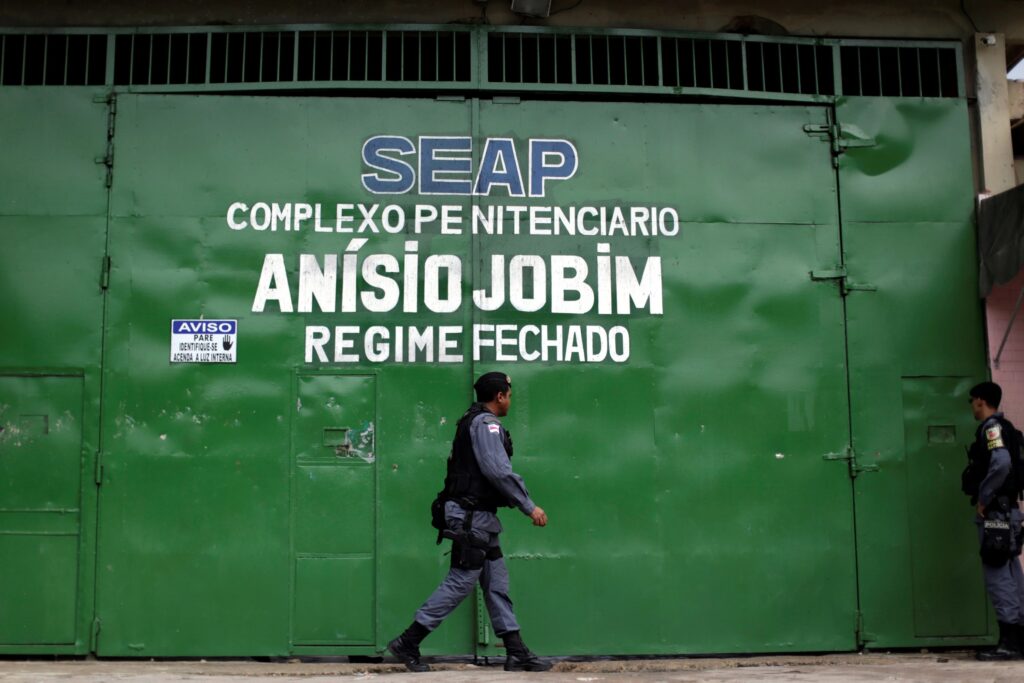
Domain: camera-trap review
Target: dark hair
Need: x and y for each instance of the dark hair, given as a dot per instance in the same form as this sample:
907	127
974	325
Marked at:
989	392
492	384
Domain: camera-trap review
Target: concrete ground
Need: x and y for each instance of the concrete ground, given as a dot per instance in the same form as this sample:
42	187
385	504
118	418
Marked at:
913	668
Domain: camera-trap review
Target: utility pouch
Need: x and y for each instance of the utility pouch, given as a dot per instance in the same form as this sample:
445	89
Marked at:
469	545
997	540
468	556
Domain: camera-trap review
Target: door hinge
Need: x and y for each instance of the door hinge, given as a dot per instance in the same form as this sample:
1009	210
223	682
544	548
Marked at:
845	454
862	635
845	286
838	273
105	273
856	469
108	157
850	456
841	136
857	287
99	468
94	635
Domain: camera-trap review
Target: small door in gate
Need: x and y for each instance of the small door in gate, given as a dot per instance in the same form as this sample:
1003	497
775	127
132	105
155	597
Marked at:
333	510
40	509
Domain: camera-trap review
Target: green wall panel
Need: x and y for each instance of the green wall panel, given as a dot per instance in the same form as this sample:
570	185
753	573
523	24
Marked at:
908	230
699	490
53	221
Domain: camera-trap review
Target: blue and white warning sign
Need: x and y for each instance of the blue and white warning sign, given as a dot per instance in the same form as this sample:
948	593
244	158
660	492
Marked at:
204	341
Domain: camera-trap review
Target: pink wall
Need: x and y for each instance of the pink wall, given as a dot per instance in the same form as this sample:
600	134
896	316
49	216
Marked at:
1010	373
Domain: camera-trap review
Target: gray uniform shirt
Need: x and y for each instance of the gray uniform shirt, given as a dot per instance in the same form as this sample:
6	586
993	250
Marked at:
488	438
999	463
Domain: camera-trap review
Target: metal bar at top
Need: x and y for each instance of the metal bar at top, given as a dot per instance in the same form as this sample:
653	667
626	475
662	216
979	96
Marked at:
920	82
572	60
479	78
149	61
537	72
693	61
678	70
743	65
952	44
799	75
131	62
782	73
899	71
961	85
46	55
608	59
625	63
661	66
312	65
277	59
711	65
878	57
522	74
263	48
814	55
728	70
209	57
860	73
764	73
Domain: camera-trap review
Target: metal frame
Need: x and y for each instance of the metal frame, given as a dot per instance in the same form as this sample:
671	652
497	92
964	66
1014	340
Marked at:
478	81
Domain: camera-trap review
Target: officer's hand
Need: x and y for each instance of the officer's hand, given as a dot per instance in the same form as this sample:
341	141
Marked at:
539	517
981	510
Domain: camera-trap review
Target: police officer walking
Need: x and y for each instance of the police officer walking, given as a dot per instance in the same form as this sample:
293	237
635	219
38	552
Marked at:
479	481
993	480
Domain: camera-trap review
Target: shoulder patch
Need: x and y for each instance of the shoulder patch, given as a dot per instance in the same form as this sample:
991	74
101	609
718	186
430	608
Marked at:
493	428
993	432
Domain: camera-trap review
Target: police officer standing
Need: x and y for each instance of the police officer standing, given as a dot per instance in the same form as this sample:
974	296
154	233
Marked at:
479	481
992	478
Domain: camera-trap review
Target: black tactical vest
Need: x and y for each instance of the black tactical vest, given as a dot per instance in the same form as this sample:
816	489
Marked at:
979	457
465	483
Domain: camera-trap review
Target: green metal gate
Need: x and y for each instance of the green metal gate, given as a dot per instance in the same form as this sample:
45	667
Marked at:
768	467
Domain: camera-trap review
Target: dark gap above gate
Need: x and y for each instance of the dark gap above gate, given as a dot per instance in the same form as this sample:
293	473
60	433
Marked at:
483	59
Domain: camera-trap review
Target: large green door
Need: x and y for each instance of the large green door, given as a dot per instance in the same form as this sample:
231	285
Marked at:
206	547
916	347
693	468
695	500
53	204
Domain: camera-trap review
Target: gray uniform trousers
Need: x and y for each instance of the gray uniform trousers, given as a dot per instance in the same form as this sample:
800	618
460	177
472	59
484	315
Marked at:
1005	585
459	583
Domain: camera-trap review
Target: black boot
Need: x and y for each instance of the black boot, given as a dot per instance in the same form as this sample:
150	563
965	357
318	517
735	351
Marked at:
406	647
1008	647
518	657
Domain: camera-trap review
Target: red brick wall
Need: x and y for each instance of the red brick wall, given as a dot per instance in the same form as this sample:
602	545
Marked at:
1010	373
